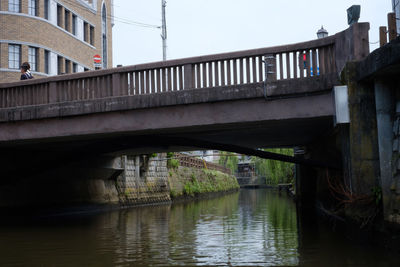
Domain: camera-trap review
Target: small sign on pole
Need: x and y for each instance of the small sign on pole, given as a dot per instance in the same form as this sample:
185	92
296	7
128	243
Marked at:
97	61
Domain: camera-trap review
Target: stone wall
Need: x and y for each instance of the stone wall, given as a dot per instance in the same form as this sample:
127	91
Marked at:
144	180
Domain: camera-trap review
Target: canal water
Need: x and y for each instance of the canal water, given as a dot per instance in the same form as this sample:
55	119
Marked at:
248	228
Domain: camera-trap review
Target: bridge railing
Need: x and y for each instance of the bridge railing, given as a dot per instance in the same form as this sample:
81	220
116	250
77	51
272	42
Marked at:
297	61
192	162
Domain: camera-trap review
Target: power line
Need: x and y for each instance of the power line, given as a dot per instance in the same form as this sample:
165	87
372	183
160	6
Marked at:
135	10
118	19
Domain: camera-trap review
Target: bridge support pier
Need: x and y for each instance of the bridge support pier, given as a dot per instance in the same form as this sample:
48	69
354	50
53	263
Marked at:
305	183
387	147
373	85
313	188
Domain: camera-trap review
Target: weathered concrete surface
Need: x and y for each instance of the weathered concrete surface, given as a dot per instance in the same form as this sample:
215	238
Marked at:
373	94
90	181
353	45
384	61
249	114
364	153
185	97
385	107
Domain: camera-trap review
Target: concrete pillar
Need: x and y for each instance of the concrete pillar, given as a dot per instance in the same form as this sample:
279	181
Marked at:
53	63
79	28
384	110
53	12
363	144
305	182
137	167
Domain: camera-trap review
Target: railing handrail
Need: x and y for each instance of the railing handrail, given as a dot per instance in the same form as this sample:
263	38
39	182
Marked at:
324	56
180	62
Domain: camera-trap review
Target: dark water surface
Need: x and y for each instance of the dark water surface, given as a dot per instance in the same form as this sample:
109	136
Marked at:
253	227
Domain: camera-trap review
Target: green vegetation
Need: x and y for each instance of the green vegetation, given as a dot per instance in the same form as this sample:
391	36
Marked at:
191	182
229	160
275	172
171	162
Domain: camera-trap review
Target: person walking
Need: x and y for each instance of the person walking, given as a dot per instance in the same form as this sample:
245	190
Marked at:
25	71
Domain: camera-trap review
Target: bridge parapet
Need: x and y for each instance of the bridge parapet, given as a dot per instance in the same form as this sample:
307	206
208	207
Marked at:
296	61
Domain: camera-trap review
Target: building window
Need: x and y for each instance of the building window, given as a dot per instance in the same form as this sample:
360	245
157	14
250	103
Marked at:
60	65
74	19
91	35
14	56
59	15
14	6
47	61
32	58
104	34
85	31
46	9
74	67
67	66
66	19
32	7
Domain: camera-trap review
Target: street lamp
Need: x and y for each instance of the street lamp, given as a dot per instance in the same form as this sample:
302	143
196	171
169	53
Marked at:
322	33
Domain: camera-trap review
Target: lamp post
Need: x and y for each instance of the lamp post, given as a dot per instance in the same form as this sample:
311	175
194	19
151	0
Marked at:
322	33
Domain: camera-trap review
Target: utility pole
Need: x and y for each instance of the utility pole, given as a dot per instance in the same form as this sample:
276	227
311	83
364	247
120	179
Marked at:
164	30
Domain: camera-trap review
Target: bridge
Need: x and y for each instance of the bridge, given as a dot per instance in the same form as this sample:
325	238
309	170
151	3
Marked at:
268	97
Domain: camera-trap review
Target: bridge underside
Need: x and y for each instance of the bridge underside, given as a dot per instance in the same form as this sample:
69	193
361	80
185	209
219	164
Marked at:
252	123
174	121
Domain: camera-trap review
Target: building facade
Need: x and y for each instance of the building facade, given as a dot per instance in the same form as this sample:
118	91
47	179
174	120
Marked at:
54	36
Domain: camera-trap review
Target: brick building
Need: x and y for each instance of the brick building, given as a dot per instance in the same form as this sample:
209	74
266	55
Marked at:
54	36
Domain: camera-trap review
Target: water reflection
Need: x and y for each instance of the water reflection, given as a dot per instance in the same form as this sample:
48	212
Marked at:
253	227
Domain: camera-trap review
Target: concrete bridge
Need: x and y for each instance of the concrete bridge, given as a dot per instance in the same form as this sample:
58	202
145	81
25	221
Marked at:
267	97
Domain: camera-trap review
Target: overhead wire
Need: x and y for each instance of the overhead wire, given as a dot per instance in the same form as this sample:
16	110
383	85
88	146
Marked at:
135	10
116	18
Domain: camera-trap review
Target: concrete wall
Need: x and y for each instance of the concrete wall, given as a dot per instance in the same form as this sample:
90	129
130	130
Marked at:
123	180
388	118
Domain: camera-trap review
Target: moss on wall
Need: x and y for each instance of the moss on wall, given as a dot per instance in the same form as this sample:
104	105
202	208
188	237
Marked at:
189	182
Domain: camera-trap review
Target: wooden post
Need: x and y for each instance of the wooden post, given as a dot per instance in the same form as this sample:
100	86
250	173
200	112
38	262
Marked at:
392	26
382	36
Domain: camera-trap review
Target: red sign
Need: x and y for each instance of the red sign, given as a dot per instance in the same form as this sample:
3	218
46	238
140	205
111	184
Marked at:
97	59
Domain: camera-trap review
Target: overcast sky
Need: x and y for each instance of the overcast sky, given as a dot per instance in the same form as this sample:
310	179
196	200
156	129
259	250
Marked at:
213	26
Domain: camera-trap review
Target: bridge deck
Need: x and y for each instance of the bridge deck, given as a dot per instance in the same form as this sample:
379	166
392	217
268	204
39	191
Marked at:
260	97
